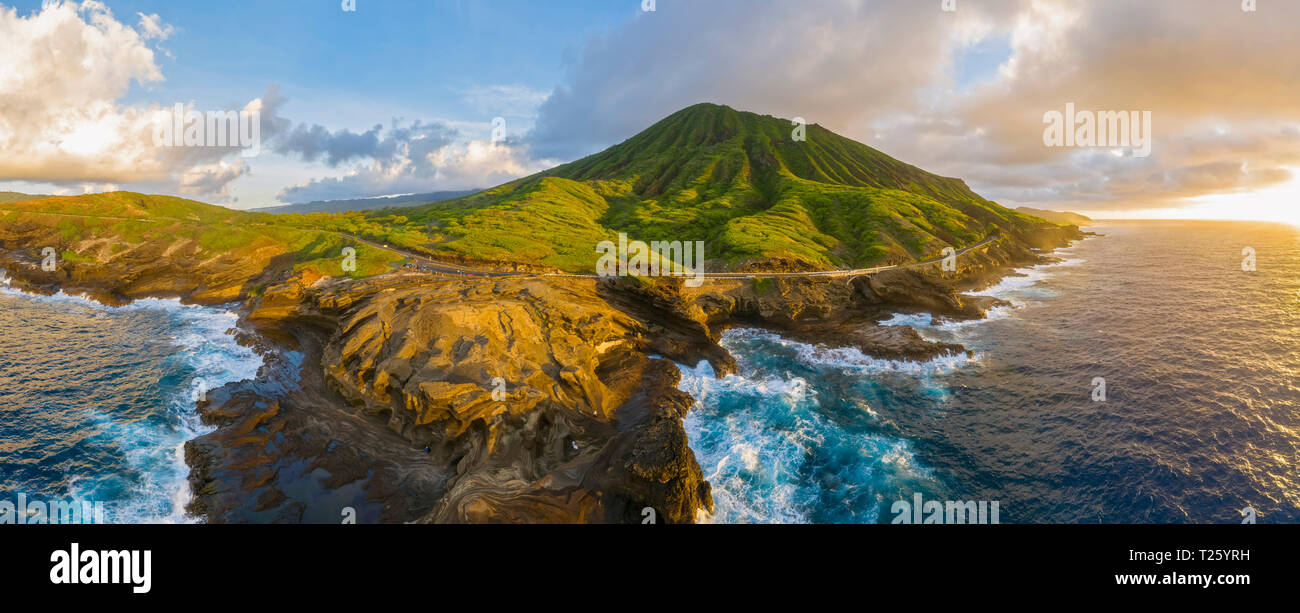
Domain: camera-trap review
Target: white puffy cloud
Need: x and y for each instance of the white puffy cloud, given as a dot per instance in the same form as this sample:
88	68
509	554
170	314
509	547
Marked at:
425	164
62	71
151	26
1221	84
212	179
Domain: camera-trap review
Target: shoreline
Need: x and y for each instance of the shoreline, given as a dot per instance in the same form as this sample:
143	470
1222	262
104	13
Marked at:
294	395
755	394
203	340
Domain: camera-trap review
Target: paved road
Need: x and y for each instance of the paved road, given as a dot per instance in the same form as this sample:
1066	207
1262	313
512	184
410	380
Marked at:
857	272
835	274
434	265
427	264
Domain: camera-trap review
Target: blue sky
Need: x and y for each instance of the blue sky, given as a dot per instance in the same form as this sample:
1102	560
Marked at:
413	57
399	96
458	62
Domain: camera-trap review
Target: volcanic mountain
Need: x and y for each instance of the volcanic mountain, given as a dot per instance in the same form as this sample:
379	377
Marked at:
522	398
741	182
758	197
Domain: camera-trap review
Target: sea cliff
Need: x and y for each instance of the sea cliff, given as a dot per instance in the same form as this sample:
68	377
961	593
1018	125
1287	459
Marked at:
410	397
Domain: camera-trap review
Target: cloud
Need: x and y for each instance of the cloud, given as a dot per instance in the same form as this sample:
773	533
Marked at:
425	164
1221	84
212	179
152	27
400	158
316	142
62	71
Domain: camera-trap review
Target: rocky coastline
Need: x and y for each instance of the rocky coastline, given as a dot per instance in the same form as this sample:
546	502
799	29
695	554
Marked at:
422	399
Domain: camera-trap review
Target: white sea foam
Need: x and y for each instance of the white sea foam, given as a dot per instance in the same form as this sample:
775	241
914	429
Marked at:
1013	289
215	359
851	359
701	383
155	448
1025	279
740	454
754	433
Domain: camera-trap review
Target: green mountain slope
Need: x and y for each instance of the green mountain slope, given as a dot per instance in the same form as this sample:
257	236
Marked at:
113	227
1057	217
16	196
739	182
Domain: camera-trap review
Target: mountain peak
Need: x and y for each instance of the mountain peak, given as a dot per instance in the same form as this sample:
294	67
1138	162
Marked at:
749	185
699	140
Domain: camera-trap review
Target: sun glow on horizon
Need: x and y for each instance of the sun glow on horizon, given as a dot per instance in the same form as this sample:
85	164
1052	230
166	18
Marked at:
1279	203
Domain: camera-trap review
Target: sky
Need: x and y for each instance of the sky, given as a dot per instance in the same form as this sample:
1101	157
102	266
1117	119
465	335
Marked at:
400	97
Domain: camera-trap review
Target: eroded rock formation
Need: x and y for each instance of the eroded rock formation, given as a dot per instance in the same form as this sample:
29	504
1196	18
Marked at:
417	398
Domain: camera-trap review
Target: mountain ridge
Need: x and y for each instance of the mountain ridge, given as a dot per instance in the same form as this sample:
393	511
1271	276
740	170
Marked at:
759	199
391	384
362	204
736	180
1058	217
6	197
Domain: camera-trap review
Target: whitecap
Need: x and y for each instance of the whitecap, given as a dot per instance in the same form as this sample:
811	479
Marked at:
768	445
154	448
851	359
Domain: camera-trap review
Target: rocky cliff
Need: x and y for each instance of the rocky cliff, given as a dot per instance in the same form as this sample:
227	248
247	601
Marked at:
417	398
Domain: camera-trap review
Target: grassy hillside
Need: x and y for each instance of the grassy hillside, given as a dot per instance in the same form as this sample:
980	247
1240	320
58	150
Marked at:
737	181
104	227
16	196
1057	217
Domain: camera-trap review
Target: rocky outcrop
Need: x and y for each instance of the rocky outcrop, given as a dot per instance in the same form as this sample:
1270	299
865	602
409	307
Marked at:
147	270
536	396
416	398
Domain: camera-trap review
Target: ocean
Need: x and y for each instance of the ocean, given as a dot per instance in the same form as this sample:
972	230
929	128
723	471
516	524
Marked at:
96	402
1200	417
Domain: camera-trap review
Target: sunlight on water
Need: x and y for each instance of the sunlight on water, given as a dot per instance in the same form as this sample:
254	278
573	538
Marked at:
1202	417
97	402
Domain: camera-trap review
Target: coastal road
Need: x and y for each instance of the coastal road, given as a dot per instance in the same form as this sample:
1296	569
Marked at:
834	274
426	264
431	264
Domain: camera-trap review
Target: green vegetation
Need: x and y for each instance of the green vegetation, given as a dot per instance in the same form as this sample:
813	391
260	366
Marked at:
1065	218
16	196
740	182
736	180
111	224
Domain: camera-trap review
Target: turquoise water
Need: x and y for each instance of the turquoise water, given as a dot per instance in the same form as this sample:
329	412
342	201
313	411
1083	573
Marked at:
1201	419
1201	360
97	402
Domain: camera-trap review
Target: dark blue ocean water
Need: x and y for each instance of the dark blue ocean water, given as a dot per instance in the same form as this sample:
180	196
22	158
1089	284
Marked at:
97	402
1202	413
1202	417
